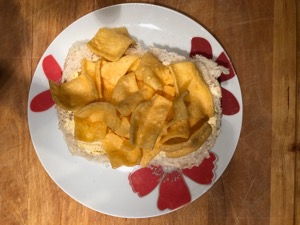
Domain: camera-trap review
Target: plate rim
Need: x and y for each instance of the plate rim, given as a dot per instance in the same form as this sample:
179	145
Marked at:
102	9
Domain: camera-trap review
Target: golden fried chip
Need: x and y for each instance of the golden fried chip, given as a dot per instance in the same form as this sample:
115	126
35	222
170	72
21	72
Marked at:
93	69
196	111
166	76
121	30
136	121
98	79
146	71
125	86
113	71
88	67
135	65
107	90
110	43
124	129
150	60
135	105
114	140
179	126
74	94
169	91
126	145
146	91
153	72
179	130
99	111
128	104
89	131
188	77
147	121
148	155
196	140
118	153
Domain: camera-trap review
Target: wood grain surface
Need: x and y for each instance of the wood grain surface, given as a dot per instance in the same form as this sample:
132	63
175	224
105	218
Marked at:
261	185
283	163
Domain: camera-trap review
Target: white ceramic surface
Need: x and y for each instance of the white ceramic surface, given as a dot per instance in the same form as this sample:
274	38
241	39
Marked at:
104	189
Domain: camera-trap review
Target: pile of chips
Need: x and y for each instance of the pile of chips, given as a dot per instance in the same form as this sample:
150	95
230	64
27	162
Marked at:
133	104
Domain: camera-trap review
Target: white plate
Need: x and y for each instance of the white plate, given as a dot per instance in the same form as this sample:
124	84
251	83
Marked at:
103	189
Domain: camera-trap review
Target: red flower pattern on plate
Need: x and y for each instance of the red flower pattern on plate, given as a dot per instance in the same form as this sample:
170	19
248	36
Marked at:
43	101
173	190
199	45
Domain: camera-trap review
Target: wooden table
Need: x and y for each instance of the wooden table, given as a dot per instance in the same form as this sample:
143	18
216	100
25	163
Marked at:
262	182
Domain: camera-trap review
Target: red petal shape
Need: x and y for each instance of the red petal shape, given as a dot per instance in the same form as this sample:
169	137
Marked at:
144	180
204	173
173	191
224	61
52	69
200	46
230	104
42	102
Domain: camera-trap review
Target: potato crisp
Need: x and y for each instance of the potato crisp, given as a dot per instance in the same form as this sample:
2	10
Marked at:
135	106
